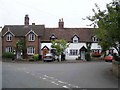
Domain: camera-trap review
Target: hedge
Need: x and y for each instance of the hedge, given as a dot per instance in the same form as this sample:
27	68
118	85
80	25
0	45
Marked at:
8	55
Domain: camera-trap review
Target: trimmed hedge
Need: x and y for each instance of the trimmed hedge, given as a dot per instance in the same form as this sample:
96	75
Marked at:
8	55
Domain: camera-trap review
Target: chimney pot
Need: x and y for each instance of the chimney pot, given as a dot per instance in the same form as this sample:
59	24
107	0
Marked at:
33	23
61	23
26	22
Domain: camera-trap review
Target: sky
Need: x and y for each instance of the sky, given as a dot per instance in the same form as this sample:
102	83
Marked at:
48	12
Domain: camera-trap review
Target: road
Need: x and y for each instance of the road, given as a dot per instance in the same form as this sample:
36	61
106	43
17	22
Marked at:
58	75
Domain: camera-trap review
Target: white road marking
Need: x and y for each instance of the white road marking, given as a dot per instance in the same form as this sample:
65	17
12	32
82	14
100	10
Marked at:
43	78
46	76
60	82
65	87
54	83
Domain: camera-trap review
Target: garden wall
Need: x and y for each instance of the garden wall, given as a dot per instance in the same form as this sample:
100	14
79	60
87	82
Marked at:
116	68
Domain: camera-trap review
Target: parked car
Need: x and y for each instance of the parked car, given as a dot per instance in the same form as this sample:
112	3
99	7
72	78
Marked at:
49	57
108	58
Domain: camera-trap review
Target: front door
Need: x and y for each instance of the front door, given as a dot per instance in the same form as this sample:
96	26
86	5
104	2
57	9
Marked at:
82	55
44	52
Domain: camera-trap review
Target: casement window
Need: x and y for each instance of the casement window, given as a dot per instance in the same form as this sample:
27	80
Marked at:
30	50
95	39
73	52
31	37
53	37
8	37
75	39
9	49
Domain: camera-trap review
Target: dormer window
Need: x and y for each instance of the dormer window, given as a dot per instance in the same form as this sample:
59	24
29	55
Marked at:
75	39
95	39
53	37
31	37
9	37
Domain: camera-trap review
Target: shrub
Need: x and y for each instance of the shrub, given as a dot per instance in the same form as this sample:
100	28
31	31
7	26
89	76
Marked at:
35	57
8	55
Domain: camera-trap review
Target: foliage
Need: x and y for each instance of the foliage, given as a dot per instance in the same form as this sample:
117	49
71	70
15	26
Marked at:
87	55
60	46
21	46
35	57
108	23
8	55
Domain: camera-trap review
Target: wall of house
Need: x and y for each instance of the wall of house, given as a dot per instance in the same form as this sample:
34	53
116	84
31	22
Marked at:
33	43
75	46
9	43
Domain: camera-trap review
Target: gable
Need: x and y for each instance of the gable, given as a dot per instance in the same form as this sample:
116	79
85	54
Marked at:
8	32
21	30
31	31
67	34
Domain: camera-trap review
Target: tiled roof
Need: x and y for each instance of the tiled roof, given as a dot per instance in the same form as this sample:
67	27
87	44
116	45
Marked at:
21	30
84	34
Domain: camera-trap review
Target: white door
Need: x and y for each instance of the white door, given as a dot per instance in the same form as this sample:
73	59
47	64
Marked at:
83	55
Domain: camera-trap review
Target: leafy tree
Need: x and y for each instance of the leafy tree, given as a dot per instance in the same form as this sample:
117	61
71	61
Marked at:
21	47
107	25
60	46
87	55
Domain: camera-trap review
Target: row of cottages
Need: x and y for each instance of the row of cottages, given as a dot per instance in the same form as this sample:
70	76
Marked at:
38	38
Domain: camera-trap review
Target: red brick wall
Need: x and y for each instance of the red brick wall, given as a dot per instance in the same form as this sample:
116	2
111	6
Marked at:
8	43
15	39
33	43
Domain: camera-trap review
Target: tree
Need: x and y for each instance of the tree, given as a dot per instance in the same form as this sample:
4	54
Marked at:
21	47
108	25
87	55
60	46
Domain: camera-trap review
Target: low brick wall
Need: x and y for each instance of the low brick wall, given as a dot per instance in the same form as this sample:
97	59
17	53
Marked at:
116	68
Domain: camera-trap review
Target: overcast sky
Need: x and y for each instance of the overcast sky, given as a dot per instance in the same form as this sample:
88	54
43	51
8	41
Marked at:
48	12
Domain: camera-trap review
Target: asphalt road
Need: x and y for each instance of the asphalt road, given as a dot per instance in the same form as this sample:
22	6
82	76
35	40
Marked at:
58	75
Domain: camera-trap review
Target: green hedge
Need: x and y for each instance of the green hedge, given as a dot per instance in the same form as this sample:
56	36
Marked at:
8	55
35	57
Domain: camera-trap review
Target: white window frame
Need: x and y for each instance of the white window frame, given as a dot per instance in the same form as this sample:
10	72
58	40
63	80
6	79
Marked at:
95	39
9	49
30	50
73	52
9	37
75	39
31	37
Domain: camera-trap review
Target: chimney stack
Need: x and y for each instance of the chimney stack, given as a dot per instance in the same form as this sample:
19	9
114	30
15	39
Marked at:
61	23
26	22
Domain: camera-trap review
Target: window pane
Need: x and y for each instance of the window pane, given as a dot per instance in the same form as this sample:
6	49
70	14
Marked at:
30	50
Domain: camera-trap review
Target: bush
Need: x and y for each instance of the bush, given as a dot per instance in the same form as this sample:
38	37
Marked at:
8	55
35	57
